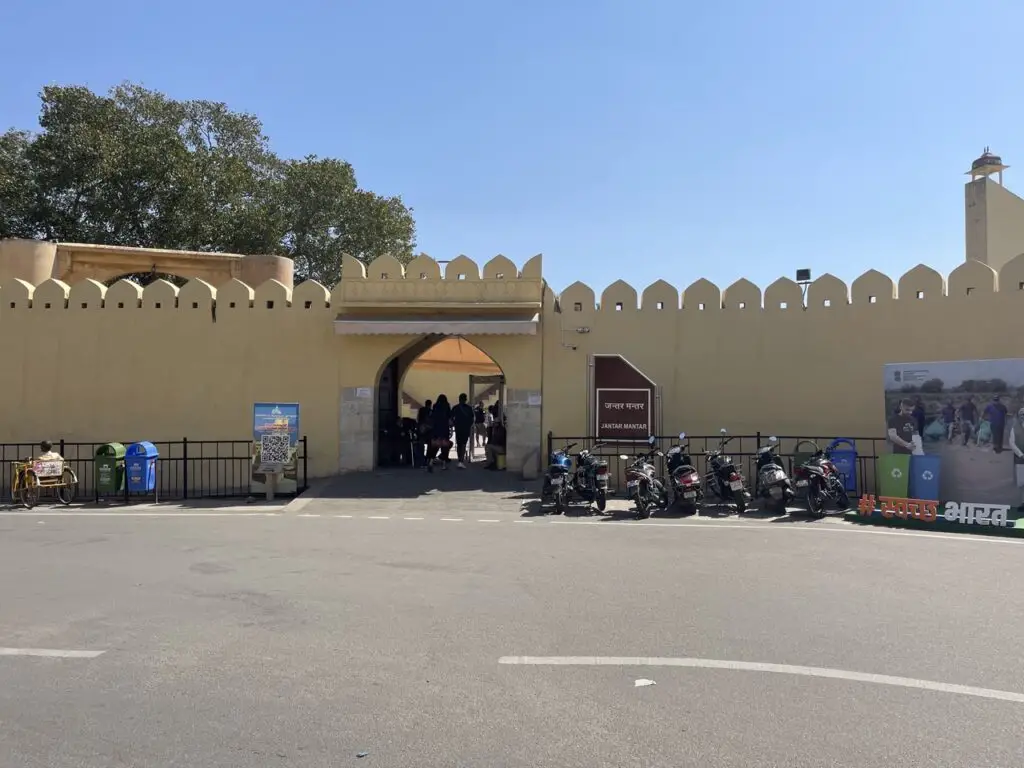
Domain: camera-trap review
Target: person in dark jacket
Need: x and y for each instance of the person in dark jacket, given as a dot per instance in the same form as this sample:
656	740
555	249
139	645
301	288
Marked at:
462	418
440	432
423	433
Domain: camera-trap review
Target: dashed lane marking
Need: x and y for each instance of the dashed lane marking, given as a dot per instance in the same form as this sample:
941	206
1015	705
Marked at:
50	653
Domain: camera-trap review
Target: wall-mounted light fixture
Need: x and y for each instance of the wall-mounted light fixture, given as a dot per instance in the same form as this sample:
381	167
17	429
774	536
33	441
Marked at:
582	330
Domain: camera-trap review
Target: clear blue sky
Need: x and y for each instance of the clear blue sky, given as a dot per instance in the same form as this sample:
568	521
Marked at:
638	140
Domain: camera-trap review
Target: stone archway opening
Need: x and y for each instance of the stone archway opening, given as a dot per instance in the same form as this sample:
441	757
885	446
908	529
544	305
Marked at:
434	365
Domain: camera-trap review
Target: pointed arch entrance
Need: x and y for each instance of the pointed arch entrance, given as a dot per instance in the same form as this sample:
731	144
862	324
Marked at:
435	364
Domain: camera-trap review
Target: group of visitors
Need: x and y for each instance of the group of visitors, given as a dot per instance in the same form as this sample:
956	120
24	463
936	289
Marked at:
438	422
963	421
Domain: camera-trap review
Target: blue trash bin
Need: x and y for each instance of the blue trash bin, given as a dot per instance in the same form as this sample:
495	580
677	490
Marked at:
845	460
924	477
140	465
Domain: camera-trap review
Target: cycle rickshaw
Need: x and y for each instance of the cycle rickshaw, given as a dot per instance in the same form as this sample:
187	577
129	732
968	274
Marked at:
29	477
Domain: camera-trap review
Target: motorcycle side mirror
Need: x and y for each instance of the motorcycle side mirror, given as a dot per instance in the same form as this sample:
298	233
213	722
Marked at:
682	436
651	440
722	431
773	439
624	457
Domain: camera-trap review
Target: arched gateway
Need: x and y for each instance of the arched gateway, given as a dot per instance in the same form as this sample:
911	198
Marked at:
390	314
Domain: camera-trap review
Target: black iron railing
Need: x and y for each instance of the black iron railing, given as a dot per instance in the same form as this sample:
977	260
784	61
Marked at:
742	449
186	469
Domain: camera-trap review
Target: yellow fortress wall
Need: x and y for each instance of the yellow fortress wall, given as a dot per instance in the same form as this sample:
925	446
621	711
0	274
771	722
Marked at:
82	362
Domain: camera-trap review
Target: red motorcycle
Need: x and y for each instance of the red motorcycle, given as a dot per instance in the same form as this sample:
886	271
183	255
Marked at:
822	482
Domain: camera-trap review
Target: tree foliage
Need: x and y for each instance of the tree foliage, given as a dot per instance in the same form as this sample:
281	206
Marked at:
137	168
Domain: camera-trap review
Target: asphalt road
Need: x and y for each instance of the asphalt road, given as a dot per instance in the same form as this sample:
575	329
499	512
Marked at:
251	640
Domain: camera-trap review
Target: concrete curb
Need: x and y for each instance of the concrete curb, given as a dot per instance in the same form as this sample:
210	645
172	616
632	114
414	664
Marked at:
315	491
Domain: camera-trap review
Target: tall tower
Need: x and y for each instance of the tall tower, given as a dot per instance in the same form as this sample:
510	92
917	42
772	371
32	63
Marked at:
993	215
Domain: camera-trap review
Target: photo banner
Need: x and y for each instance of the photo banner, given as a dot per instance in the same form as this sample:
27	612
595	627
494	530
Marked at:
955	437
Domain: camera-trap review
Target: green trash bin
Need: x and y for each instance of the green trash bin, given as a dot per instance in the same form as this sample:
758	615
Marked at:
109	469
894	475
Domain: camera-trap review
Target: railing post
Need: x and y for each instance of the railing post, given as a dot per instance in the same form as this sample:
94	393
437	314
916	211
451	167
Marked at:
305	462
551	437
184	471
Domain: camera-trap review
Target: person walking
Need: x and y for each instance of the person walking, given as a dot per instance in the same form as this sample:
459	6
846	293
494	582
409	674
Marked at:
423	433
440	430
479	426
995	413
463	419
968	418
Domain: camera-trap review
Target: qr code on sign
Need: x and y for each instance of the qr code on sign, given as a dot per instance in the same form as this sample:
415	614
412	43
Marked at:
274	449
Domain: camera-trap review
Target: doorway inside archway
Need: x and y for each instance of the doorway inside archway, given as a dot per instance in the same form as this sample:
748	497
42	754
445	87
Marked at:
436	365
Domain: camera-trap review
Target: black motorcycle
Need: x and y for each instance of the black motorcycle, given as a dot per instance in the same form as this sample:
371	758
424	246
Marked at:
642	487
772	484
590	483
723	480
686	488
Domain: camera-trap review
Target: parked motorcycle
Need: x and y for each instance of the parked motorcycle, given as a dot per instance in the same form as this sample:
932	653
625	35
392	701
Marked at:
686	488
722	479
823	483
642	487
591	480
772	484
558	478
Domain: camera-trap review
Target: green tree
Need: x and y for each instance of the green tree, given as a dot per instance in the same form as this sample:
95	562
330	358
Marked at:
932	386
135	167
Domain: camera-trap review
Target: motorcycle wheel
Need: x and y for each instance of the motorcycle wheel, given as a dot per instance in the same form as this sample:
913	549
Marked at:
601	500
559	502
815	498
740	501
842	499
642	512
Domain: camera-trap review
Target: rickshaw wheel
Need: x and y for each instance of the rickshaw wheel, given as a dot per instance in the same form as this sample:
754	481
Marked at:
66	490
28	494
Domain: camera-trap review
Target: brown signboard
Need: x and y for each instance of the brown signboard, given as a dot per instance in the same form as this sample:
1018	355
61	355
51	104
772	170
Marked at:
623	400
624	414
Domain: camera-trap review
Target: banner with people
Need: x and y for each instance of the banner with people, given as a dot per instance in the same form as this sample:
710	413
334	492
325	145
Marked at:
955	431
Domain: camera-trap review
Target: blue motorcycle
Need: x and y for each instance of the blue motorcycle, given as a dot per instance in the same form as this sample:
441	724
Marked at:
558	478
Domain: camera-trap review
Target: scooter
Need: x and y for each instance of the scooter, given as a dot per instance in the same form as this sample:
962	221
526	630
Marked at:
642	487
772	484
686	488
722	479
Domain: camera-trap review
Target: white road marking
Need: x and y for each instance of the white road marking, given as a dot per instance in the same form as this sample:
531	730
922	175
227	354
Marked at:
488	521
749	666
136	514
50	653
812	527
378	517
736	525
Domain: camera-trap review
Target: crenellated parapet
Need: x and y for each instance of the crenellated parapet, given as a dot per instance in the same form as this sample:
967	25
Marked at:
424	284
922	284
460	285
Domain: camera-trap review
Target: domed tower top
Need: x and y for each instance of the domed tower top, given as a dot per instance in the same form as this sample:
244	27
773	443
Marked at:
986	165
